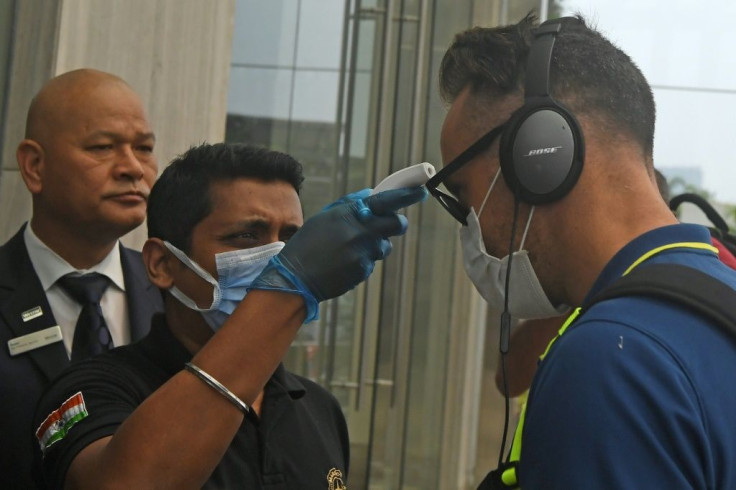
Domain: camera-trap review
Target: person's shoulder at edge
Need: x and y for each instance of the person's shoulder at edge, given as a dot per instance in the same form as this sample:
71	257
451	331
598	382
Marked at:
608	375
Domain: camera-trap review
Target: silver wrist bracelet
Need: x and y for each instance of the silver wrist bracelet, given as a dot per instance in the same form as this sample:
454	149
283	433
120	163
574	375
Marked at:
218	387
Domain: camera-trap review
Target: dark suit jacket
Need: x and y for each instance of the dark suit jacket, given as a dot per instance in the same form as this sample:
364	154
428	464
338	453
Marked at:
23	377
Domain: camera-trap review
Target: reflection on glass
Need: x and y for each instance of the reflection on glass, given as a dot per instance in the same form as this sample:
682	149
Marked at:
340	89
265	32
320	42
284	94
389	413
314	97
260	92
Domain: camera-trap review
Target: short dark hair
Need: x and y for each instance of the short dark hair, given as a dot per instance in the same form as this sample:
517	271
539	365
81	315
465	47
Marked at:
589	74
180	198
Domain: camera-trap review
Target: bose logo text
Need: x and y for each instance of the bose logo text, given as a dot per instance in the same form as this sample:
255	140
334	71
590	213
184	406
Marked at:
542	151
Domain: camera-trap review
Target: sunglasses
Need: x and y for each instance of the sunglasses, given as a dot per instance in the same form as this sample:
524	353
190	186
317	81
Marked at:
452	205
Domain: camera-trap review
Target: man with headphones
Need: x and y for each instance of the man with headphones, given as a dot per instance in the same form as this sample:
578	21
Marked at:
548	152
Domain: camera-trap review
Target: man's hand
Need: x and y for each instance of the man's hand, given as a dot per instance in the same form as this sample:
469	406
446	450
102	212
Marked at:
337	248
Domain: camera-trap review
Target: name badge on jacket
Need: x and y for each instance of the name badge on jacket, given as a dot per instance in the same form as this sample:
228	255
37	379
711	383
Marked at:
34	340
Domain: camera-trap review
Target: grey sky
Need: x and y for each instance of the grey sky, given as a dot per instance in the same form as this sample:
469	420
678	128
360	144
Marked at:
685	49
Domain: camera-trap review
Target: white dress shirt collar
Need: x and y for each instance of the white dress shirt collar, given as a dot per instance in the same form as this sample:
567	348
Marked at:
50	266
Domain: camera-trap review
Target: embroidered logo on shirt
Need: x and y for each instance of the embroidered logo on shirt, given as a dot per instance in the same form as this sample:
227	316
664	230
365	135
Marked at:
58	423
334	478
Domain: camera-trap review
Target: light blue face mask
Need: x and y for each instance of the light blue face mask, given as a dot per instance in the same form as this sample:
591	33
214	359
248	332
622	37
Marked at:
236	271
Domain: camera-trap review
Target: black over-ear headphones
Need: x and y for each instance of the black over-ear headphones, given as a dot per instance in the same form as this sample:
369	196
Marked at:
542	148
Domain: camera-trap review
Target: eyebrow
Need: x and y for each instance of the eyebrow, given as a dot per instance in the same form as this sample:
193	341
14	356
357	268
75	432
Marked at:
250	223
259	224
116	135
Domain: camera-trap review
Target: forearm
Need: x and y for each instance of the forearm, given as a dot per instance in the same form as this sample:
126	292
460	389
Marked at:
252	343
177	437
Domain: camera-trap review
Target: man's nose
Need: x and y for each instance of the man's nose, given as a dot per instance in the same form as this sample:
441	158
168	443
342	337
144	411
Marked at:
273	236
128	165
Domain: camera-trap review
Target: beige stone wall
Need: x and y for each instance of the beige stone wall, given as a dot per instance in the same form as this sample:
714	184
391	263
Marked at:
175	53
31	63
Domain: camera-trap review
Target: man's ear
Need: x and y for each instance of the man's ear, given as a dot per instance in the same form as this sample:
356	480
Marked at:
157	261
31	158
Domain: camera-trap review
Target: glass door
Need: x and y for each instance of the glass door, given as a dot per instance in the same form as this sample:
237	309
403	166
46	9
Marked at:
349	88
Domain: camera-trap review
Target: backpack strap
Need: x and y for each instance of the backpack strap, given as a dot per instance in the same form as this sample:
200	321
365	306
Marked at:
682	285
705	206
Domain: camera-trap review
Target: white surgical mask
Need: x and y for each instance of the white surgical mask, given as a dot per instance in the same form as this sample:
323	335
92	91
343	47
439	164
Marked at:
527	299
236	271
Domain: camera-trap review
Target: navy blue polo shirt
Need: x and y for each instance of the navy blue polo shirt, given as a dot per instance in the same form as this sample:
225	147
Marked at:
299	442
638	392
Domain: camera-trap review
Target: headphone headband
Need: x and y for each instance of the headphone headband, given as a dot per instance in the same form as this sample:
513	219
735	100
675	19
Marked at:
540	59
542	150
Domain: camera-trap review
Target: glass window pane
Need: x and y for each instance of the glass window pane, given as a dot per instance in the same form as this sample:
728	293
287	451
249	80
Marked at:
320	34
386	340
359	136
366	45
260	92
694	83
315	96
265	32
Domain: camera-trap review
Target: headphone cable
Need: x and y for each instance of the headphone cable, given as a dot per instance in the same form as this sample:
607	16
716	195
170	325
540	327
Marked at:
505	331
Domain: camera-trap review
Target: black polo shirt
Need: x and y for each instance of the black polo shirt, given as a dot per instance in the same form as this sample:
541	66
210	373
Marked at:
298	442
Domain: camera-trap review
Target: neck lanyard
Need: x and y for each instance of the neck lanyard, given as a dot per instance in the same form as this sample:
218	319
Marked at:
573	316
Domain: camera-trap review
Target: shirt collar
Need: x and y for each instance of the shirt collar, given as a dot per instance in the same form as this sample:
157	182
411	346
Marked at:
646	242
50	267
289	382
162	348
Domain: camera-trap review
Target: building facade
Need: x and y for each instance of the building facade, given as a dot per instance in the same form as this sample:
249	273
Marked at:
349	87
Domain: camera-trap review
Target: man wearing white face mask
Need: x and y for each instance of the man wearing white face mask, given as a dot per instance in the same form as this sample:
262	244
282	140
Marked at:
526	298
635	391
236	271
197	403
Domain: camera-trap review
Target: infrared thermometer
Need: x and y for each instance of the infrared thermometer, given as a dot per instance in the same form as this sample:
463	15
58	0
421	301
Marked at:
413	176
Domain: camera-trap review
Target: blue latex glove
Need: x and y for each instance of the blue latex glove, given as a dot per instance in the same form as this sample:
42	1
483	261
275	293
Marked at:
337	248
353	196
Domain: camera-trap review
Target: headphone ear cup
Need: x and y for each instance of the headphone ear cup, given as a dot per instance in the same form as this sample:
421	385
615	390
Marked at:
541	152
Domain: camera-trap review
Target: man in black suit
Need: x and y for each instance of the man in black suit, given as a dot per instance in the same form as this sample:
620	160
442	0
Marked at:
87	159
